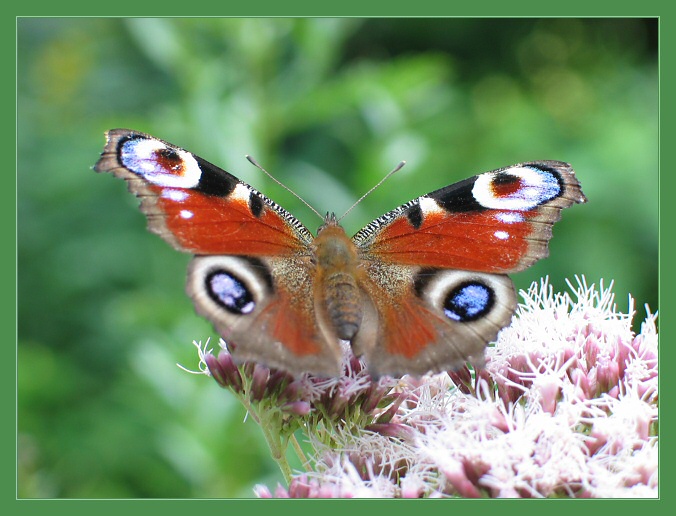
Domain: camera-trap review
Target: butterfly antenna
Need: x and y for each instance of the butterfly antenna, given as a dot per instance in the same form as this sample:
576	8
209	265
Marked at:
255	164
396	169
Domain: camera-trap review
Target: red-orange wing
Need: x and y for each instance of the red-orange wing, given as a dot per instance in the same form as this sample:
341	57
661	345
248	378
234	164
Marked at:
500	221
252	273
435	283
196	206
264	309
419	320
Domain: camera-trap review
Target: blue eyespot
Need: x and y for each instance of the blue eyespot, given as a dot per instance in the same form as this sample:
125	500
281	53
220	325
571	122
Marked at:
468	301
230	292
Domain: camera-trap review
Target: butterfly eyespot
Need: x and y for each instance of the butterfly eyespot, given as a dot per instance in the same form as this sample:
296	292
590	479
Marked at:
169	159
519	188
159	164
468	301
230	292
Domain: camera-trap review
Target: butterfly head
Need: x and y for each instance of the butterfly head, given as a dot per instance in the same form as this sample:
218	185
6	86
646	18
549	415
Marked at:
330	220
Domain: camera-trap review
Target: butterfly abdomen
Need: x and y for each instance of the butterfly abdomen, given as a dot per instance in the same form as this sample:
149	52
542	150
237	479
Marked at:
343	304
335	283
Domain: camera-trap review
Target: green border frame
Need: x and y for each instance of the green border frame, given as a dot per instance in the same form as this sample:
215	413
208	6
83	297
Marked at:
305	8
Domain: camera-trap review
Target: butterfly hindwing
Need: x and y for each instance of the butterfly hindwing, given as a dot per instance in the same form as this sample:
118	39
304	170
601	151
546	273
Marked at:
429	319
264	309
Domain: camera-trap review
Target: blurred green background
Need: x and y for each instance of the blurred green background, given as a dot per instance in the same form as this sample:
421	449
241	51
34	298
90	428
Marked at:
328	106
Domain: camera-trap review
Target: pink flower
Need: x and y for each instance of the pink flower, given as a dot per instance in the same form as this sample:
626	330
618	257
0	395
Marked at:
566	406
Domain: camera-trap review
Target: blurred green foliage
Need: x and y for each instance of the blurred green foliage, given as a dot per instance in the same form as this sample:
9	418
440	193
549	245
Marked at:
328	106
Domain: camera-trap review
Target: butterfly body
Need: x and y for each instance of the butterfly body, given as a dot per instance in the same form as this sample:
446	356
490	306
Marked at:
337	290
422	288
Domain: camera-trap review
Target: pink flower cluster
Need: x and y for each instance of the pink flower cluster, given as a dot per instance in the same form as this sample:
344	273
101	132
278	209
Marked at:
352	396
565	406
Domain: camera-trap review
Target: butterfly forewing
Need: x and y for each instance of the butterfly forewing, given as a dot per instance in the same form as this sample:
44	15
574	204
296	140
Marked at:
499	221
196	206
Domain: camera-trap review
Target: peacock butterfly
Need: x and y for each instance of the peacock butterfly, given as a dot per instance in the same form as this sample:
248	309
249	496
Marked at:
423	288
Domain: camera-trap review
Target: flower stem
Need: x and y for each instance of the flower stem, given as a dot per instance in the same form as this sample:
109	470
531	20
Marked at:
278	452
276	443
299	453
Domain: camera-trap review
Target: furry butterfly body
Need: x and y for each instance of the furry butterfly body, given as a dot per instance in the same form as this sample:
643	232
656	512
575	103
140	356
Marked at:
422	288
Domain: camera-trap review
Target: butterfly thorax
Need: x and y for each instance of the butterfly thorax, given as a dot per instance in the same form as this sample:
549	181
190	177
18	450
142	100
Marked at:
337	292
